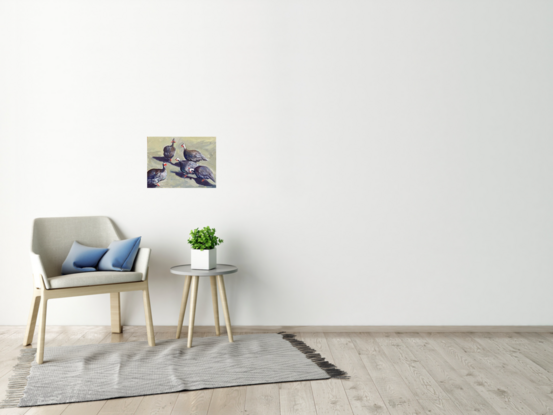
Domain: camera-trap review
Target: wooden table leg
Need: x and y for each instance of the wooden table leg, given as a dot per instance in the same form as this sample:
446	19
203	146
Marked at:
215	304
223	293
183	304
193	298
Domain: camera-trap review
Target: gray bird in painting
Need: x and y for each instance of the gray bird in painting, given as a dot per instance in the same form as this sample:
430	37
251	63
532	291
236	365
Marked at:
186	167
169	151
204	173
157	175
192	155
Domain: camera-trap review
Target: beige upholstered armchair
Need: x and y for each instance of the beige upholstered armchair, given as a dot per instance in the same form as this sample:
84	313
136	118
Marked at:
51	242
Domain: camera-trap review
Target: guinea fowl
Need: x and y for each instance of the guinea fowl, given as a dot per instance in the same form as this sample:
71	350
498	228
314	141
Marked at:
186	166
204	173
157	175
192	155
169	151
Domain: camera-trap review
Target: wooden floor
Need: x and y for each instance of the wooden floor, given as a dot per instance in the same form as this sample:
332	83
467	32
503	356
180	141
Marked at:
391	373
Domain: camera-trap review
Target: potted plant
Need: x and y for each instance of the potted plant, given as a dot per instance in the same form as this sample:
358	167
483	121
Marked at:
203	243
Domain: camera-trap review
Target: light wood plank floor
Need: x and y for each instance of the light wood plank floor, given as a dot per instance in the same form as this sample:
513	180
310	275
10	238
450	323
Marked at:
391	373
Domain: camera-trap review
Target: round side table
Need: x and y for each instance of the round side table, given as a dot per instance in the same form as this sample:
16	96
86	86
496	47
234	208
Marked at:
193	277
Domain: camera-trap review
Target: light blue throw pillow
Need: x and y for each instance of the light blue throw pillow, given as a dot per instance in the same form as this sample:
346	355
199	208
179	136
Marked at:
82	258
120	255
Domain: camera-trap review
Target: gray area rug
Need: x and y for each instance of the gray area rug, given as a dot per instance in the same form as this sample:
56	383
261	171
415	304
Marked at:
106	371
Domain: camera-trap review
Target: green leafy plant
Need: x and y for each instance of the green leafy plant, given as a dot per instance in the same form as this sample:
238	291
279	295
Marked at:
204	238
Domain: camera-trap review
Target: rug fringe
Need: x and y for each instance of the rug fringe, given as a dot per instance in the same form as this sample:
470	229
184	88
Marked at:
18	381
315	357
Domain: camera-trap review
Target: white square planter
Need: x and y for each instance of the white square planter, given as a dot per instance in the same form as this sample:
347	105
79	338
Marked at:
206	259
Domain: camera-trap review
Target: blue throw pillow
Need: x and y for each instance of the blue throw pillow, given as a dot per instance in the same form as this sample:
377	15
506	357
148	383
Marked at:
82	259
120	255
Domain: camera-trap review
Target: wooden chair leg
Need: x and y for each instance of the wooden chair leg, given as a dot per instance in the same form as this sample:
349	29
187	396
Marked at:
42	330
31	324
148	314
115	305
193	298
215	304
183	304
223	293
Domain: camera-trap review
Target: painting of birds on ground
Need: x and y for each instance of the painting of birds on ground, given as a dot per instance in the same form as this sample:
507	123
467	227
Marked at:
181	162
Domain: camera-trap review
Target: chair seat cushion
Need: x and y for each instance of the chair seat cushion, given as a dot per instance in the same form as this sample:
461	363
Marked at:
93	278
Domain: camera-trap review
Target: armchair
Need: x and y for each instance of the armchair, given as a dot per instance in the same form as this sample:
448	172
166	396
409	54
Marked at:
52	238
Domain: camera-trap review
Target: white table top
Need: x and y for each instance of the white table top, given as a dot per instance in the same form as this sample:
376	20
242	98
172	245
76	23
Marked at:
221	269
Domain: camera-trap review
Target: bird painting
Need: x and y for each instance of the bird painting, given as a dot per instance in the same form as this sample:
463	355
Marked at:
186	167
204	173
192	155
157	175
196	169
169	151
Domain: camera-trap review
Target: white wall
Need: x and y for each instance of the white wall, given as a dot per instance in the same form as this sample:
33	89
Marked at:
379	162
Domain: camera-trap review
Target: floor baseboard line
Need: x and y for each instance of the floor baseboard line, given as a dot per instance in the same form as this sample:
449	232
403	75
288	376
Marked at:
344	329
383	329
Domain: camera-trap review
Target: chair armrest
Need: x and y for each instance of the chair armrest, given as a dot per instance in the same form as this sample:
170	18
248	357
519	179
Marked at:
39	274
142	261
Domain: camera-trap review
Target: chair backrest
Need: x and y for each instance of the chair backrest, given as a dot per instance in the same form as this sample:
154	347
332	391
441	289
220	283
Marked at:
53	237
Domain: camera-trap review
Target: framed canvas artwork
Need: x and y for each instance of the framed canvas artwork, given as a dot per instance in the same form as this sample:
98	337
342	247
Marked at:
175	162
